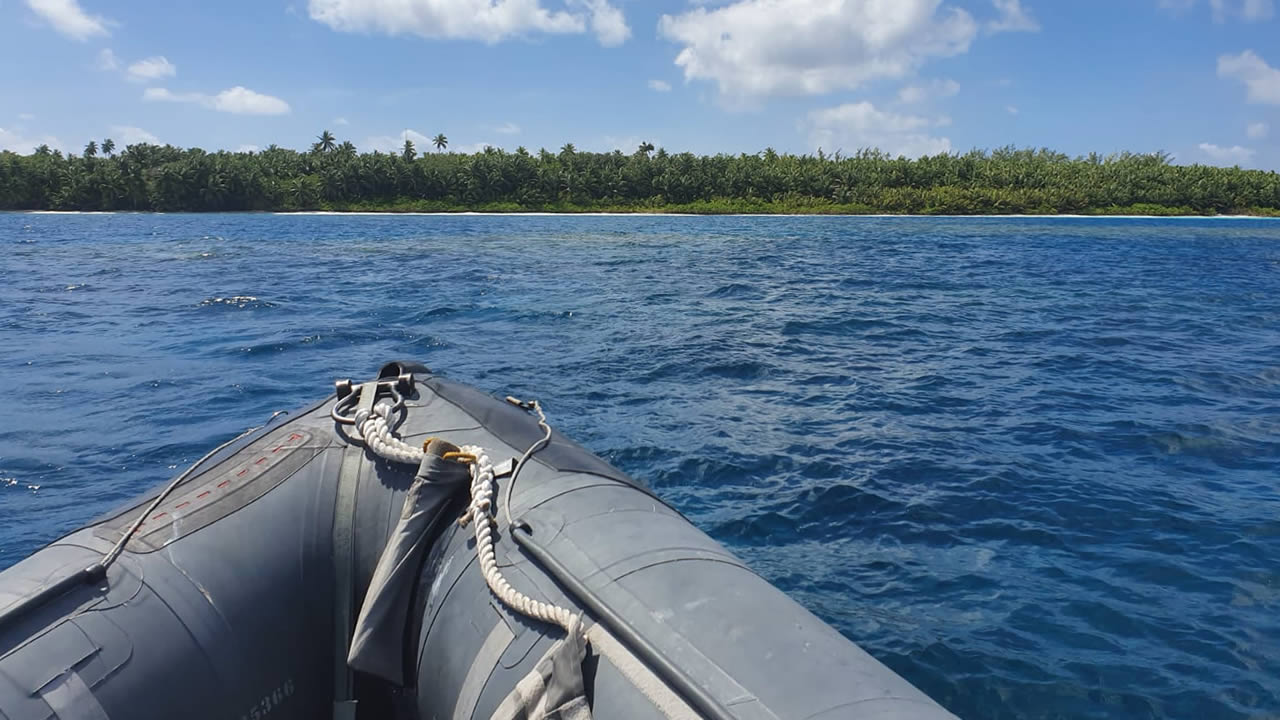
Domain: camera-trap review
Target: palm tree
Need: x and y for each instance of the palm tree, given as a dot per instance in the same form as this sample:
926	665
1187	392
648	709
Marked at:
441	142
645	148
408	153
326	142
108	146
347	149
91	149
568	149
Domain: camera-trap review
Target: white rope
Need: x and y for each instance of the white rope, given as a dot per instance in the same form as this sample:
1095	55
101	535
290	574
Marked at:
376	431
482	485
377	435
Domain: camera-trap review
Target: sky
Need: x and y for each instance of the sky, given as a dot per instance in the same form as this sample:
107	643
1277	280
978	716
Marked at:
1199	79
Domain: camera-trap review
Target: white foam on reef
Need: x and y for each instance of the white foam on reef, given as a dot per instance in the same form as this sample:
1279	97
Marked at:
497	214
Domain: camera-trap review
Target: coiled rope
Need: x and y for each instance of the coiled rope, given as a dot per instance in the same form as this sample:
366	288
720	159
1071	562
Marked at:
375	427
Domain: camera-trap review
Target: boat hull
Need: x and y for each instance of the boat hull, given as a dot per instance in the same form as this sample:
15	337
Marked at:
223	603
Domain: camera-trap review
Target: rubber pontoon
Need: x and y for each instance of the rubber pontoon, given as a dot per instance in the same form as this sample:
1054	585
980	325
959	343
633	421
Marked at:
328	565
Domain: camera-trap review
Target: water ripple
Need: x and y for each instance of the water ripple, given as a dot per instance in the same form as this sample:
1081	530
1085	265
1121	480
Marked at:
1028	463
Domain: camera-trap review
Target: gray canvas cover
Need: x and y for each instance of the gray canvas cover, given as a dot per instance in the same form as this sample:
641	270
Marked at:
554	689
377	644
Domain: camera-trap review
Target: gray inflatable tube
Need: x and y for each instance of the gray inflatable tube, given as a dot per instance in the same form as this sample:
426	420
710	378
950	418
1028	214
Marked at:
296	574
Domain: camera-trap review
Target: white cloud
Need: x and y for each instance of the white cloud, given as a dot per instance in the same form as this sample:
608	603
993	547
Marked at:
247	149
1222	10
107	60
756	48
340	121
1258	10
1258	130
26	116
126	135
1247	10
1234	155
165	95
24	144
152	68
68	18
395	143
243	101
1011	109
237	100
507	129
659	86
627	143
932	89
470	149
1261	80
490	21
853	126
1013	18
607	22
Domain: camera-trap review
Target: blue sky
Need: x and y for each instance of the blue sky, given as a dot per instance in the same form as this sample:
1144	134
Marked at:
1197	78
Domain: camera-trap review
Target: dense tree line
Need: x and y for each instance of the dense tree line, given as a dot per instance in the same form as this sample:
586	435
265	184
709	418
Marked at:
333	175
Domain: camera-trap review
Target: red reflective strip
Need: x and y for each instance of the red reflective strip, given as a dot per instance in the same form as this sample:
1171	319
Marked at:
179	507
157	516
242	472
260	461
278	449
224	483
206	492
295	436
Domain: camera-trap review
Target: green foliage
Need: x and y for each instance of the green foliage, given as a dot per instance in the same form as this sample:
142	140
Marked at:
334	176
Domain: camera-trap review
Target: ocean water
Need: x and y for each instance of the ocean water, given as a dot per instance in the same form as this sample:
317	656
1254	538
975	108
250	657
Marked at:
1031	464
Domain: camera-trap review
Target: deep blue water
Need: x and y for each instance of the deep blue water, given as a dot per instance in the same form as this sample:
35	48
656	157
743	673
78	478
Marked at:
1031	464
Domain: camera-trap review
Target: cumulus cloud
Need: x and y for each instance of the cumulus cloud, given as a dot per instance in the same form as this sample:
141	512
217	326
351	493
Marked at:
248	148
1257	131
1011	109
607	22
18	141
237	100
624	143
1223	10
1013	18
1260	79
340	121
659	86
471	148
854	126
934	89
107	60
1234	155
757	48
68	18
1253	10
509	128
394	143
152	68
126	135
489	21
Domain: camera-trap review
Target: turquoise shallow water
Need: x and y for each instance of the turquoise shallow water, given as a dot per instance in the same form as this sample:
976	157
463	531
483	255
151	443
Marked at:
1031	464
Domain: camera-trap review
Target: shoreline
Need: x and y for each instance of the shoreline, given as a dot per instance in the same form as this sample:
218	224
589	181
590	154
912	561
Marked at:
479	213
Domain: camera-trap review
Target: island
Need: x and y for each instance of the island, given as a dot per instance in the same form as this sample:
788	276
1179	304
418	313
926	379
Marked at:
334	176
